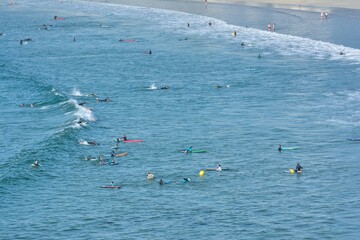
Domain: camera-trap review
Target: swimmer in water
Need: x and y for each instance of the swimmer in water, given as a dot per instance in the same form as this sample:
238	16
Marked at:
280	148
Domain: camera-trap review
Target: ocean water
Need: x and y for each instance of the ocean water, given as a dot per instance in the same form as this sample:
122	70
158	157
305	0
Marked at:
300	93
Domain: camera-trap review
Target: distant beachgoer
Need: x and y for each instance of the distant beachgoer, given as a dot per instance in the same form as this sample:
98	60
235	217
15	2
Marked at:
188	24
234	33
273	27
269	27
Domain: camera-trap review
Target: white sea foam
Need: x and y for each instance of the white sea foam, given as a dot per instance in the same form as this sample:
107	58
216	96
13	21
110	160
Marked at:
75	92
287	45
82	112
152	87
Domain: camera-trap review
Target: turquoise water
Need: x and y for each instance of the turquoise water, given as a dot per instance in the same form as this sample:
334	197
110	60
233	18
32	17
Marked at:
300	93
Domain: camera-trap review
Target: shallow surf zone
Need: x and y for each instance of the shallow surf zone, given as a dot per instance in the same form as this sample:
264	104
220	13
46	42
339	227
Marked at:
173	22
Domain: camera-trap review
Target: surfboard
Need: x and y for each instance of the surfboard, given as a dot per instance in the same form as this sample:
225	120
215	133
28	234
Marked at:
111	187
121	154
353	139
289	148
133	141
215	169
193	151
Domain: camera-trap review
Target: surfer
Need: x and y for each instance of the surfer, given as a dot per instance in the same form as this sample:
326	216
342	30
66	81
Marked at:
234	33
188	150
269	27
112	184
209	23
188	24
219	168
124	138
259	56
36	163
92	143
161	182
186	179
164	87
298	168
342	53
81	122
150	176
103	100
280	148
273	27
150	52
243	44
113	153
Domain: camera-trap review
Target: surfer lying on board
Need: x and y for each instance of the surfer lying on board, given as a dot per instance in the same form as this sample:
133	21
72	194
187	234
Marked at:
188	150
124	138
298	168
103	100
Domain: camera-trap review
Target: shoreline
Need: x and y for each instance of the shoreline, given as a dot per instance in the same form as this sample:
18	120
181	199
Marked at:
302	22
299	5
